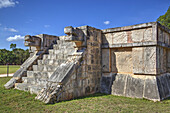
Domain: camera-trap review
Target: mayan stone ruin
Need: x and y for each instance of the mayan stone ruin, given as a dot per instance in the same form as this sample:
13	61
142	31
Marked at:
131	61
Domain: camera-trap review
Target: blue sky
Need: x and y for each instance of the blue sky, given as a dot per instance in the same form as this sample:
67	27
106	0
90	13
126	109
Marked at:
31	17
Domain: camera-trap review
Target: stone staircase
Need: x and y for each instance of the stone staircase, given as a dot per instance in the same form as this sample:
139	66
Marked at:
53	66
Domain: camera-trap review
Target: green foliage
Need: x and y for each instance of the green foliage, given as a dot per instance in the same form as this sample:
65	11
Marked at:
17	56
13	46
15	101
165	19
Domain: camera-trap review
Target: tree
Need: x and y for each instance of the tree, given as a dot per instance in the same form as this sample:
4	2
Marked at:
16	56
13	46
165	19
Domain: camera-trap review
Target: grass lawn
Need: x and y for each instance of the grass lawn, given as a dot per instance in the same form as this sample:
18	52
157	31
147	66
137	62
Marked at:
19	101
12	69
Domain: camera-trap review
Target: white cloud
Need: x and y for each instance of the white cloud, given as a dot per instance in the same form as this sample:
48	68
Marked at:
46	26
107	22
8	3
10	29
15	38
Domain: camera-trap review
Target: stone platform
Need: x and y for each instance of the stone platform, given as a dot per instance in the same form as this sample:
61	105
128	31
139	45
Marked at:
131	61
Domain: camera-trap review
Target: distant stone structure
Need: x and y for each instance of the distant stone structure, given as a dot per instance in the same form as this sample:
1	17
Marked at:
131	61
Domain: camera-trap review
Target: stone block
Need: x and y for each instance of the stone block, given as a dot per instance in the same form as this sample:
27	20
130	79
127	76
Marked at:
10	83
144	60
138	35
121	60
108	38
22	86
168	61
106	60
106	83
120	37
160	35
162	60
30	73
150	60
142	35
148	35
163	86
150	89
137	56
119	85
134	86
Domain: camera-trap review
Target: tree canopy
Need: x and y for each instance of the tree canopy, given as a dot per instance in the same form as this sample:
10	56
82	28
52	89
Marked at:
165	19
13	46
16	56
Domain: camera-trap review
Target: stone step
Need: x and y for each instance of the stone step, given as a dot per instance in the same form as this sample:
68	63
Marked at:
29	80
55	47
61	42
62	51
48	62
22	86
55	56
54	62
65	45
39	74
35	89
53	51
35	81
49	68
45	56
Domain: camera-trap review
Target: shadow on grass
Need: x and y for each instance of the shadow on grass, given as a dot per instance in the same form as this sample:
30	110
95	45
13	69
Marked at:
83	97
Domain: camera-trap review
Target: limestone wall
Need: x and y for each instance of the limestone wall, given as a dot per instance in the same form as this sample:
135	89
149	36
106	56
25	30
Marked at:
163	50
163	36
85	76
117	60
136	61
136	35
144	48
130	36
132	61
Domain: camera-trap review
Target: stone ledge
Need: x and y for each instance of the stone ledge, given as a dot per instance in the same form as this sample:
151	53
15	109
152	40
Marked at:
137	44
126	28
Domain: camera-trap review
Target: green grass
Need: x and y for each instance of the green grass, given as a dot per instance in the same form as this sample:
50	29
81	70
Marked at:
12	69
19	101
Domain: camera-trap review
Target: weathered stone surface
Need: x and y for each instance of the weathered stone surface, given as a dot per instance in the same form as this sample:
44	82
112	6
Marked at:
10	84
134	87
106	84
162	60
119	84
144	60
151	90
132	61
163	86
121	60
168	61
154	88
119	37
106	60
